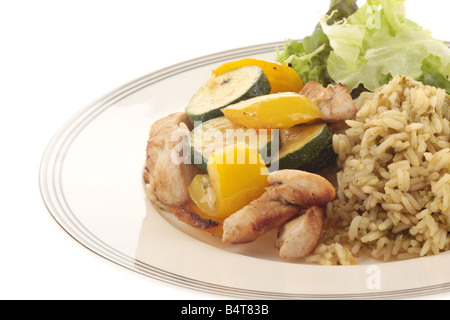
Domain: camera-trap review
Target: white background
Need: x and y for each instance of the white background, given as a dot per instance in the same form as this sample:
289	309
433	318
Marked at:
56	57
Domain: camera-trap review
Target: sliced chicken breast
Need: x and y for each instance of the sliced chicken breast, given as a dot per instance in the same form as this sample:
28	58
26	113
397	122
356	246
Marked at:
165	175
335	101
302	188
298	237
289	192
258	217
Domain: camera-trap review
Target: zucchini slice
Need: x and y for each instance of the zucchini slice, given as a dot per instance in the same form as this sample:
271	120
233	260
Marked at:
219	132
225	89
300	145
325	159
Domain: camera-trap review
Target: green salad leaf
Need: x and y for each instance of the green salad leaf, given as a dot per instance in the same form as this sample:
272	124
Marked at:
378	42
365	47
309	56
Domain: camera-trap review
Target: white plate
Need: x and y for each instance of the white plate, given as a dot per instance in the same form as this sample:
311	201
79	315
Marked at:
91	183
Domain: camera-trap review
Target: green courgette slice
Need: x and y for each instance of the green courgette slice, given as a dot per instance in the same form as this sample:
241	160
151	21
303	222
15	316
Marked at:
301	145
225	89
325	159
219	132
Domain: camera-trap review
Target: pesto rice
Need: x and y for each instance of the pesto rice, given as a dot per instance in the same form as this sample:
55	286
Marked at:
393	179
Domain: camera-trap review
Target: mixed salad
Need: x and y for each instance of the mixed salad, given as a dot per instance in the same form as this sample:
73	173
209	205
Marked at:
365	47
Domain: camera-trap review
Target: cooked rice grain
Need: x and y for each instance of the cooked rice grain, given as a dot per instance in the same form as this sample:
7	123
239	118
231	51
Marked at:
393	182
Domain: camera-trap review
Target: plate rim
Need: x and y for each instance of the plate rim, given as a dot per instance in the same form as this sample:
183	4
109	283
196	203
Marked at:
62	139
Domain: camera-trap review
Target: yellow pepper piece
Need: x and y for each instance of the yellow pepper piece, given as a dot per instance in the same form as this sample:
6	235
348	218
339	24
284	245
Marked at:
237	175
274	111
202	194
282	78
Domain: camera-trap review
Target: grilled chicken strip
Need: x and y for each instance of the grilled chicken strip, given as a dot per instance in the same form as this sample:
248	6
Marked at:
300	187
166	178
335	101
298	237
289	192
258	217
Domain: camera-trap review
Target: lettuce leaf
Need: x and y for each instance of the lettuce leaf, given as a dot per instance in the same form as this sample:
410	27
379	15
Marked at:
378	42
309	56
